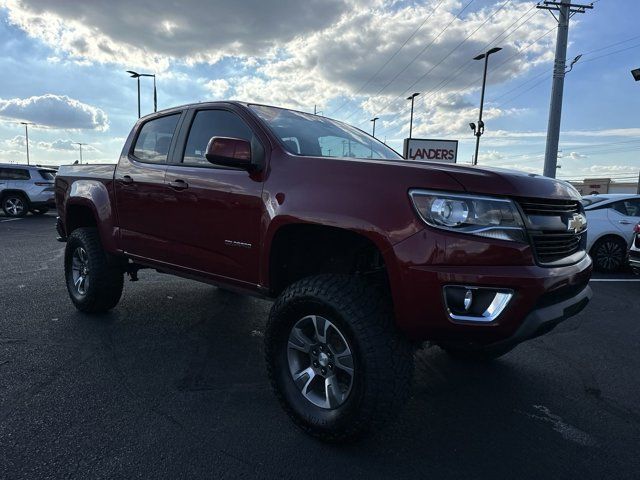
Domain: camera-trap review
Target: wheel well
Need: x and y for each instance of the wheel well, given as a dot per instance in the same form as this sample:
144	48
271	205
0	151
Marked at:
605	237
5	193
79	216
299	251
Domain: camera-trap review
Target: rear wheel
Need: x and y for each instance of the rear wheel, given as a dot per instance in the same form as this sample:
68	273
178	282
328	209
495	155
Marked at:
608	254
94	278
334	358
15	205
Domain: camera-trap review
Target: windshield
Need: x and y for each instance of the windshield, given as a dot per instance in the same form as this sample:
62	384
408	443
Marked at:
316	136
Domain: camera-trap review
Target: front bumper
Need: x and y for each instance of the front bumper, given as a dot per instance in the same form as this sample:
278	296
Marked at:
543	296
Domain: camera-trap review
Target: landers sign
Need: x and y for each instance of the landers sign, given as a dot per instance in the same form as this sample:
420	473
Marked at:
431	150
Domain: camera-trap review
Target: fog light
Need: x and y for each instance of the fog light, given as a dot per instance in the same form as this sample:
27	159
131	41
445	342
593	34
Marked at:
475	304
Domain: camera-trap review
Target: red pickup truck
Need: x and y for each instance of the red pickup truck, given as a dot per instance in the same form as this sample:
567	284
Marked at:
365	253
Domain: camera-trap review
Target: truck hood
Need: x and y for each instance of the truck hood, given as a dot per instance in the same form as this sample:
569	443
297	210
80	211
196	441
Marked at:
497	181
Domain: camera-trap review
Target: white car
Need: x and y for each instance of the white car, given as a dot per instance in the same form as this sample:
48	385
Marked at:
611	219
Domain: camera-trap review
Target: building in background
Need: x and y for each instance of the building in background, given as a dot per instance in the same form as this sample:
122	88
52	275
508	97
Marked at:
590	186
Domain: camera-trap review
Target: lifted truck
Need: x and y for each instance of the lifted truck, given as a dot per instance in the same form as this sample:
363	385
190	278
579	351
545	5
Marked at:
366	254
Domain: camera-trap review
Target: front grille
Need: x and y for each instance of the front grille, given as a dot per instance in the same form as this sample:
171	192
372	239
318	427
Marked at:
551	247
550	207
547	223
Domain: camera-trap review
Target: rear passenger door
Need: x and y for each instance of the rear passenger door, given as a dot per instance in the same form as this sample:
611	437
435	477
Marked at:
140	191
625	214
215	212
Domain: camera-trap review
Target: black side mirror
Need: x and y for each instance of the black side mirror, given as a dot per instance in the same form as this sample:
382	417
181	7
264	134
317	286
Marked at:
230	152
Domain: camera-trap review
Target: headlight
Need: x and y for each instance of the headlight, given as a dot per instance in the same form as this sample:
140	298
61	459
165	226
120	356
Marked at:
485	216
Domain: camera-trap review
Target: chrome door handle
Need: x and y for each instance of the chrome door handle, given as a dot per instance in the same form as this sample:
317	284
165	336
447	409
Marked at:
126	179
625	222
179	184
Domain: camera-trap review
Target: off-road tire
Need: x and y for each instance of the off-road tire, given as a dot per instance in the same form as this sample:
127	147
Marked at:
9	211
382	358
106	275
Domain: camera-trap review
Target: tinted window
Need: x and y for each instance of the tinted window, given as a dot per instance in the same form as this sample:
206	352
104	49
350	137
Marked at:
47	174
215	123
313	135
629	208
14	174
155	138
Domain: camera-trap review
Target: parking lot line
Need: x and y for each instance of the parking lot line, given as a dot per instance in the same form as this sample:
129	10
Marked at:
10	220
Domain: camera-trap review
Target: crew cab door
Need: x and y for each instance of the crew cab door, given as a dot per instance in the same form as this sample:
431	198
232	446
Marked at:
140	190
214	215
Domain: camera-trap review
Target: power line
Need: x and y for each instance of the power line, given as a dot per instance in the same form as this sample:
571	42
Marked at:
390	58
400	72
445	57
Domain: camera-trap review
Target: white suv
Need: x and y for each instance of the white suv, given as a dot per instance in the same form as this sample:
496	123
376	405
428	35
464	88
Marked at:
25	188
611	218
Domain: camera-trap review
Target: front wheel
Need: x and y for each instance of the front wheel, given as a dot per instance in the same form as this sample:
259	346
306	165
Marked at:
15	205
334	358
94	278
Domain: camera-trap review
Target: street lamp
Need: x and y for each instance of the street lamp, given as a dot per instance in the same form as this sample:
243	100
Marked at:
636	74
26	134
478	130
374	126
80	145
412	98
137	76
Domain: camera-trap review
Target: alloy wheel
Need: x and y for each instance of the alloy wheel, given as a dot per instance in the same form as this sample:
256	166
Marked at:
14	205
610	255
80	270
320	361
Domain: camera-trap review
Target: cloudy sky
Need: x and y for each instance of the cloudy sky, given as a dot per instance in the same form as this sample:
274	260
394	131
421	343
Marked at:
63	67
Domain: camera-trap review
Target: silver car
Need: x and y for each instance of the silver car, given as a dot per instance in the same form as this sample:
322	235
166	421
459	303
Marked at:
26	188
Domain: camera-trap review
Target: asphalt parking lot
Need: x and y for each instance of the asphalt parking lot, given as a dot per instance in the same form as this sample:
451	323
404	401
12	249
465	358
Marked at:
171	384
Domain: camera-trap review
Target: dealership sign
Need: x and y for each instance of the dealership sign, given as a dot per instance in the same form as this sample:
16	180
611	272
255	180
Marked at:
431	150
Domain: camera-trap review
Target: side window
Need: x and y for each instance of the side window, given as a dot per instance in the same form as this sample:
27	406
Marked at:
215	123
633	207
155	138
14	174
619	207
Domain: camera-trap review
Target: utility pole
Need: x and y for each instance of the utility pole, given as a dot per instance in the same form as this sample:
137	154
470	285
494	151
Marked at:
565	10
80	145
26	135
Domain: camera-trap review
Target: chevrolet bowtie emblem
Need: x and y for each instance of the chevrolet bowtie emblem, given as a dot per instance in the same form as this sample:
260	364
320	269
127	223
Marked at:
576	223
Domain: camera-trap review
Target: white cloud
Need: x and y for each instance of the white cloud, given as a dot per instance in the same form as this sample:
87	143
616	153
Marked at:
64	145
54	111
154	33
218	88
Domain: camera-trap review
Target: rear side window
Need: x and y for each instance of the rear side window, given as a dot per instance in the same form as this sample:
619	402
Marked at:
47	174
155	138
14	174
630	208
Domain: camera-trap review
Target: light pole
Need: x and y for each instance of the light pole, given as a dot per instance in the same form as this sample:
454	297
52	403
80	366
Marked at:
137	76
80	145
26	134
374	126
478	130
412	98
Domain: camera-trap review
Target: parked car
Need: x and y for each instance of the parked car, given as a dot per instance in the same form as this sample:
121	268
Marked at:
25	188
365	253
634	250
611	219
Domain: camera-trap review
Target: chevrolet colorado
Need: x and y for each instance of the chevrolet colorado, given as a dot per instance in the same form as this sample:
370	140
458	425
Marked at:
365	253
